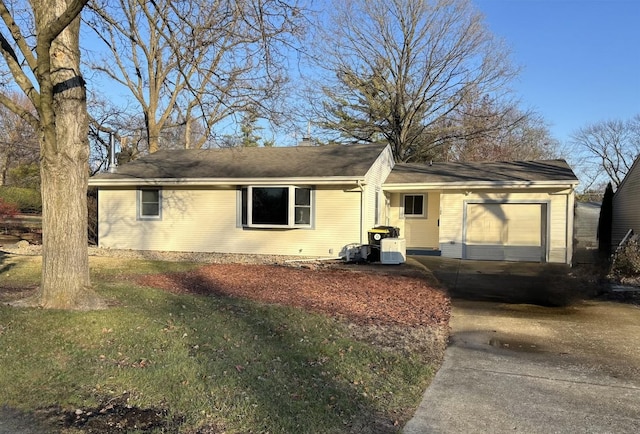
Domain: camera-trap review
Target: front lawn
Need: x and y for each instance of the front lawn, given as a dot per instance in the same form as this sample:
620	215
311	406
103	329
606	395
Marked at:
214	356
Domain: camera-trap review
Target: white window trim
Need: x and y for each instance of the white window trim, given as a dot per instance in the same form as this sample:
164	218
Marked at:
139	215
291	208
424	206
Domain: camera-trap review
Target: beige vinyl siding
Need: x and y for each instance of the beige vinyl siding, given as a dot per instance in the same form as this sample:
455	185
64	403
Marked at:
626	205
374	179
561	228
419	232
451	216
452	209
206	220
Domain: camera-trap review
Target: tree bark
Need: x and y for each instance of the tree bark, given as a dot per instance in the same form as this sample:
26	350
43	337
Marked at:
64	171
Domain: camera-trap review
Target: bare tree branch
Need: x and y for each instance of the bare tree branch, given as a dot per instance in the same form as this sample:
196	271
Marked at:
608	146
400	68
196	62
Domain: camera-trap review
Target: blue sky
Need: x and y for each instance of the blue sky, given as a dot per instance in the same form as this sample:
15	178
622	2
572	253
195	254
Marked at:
580	59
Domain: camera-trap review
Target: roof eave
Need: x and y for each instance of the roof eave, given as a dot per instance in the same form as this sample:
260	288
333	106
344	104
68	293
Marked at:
133	181
478	185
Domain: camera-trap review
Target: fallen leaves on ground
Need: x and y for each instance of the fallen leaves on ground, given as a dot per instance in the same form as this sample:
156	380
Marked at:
361	297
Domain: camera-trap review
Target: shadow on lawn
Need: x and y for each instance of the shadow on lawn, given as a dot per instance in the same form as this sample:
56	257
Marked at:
297	382
4	267
305	388
255	362
284	378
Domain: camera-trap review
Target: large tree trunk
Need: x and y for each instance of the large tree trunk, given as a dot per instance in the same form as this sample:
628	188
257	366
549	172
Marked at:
65	261
64	175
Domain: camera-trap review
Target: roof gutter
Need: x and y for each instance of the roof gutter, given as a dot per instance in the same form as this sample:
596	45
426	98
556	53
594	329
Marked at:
133	181
477	185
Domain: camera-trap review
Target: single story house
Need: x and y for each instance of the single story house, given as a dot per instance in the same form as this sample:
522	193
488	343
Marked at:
319	201
626	205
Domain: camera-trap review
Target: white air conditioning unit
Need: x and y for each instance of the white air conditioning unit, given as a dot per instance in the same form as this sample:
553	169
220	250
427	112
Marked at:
393	250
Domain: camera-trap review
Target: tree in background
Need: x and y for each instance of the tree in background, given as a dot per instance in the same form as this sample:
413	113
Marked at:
403	71
19	149
484	129
196	62
248	136
106	119
608	146
39	43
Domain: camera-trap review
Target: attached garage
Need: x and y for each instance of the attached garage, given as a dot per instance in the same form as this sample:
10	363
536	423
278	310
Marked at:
502	211
505	231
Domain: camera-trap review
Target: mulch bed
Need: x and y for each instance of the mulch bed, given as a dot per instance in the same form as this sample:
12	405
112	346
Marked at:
361	298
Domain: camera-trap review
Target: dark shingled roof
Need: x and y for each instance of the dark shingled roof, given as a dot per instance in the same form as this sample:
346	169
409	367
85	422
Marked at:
239	163
488	171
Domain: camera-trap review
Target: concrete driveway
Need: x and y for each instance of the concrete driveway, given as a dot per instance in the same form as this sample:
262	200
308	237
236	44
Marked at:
517	367
509	282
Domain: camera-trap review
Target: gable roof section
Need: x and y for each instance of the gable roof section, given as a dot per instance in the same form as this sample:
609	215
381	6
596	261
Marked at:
330	163
488	173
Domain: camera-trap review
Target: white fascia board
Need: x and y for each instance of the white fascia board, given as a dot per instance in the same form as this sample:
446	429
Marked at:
479	185
131	181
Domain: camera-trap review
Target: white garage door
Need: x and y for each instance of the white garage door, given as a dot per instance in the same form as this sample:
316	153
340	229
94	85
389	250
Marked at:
505	231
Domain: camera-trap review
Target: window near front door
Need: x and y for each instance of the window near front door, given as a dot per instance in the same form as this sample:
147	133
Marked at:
414	205
149	204
276	207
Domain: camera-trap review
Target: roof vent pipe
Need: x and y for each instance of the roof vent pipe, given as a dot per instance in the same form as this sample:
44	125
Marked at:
113	163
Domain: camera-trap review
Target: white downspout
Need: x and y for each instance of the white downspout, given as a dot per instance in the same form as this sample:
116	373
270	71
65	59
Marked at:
361	187
570	223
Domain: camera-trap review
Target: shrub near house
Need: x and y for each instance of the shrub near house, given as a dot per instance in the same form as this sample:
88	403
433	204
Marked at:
15	226
26	200
7	211
626	263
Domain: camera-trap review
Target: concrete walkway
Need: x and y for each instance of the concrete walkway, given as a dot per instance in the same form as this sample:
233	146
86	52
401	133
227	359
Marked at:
515	367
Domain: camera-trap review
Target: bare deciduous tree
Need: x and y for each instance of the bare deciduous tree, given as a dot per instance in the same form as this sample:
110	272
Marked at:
39	43
106	119
401	68
608	146
191	62
488	130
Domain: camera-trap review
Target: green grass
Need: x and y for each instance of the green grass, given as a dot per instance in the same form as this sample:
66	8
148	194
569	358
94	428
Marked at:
245	366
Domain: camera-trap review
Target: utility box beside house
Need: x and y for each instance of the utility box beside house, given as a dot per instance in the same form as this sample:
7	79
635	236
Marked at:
376	236
393	251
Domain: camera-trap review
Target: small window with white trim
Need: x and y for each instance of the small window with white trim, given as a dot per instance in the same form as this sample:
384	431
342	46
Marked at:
276	207
414	205
149	204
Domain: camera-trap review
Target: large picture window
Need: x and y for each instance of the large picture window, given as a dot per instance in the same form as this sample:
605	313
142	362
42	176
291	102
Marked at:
275	207
270	206
149	204
414	205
